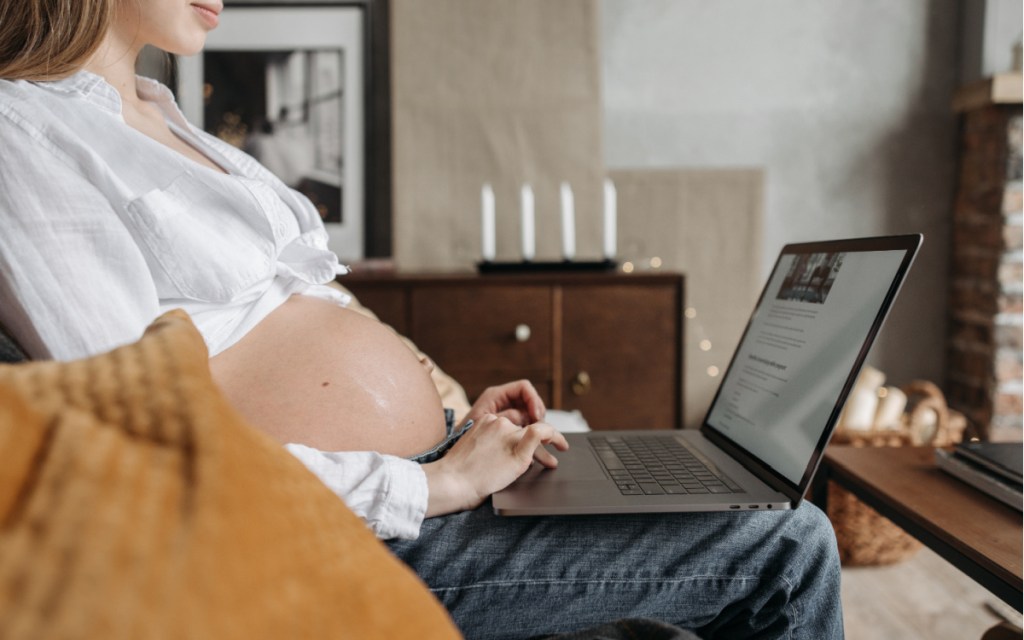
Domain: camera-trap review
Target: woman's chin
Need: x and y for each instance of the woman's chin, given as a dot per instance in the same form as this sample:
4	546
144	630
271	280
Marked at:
186	47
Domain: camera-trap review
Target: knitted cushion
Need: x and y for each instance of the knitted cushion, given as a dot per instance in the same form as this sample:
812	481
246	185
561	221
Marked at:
135	503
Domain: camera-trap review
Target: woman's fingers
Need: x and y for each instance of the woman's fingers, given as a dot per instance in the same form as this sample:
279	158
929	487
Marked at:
534	405
536	435
517	416
517	400
545	457
535	408
528	442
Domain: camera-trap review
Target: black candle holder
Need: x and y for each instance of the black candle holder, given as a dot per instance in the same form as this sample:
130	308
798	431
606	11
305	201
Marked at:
529	266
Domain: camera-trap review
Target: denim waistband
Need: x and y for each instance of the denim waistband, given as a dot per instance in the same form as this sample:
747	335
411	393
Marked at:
452	436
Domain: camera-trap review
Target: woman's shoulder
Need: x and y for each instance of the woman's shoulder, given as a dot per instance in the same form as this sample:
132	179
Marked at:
21	92
29	106
59	95
16	94
59	115
26	119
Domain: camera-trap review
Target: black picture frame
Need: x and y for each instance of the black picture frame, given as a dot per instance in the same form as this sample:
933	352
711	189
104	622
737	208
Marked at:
376	62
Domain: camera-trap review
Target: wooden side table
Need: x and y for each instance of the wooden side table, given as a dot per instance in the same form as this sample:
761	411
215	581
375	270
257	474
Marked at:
976	533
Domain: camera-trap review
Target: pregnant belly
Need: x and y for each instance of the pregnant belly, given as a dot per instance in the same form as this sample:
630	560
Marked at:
321	375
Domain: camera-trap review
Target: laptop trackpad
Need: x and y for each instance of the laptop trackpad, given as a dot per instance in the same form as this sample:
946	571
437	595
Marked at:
580	458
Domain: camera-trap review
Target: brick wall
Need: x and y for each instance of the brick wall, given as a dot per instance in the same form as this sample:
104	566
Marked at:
984	346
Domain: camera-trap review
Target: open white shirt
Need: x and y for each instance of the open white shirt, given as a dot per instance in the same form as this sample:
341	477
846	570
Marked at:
102	229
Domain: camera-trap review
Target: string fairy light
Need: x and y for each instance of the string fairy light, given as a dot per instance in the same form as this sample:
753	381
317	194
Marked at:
703	342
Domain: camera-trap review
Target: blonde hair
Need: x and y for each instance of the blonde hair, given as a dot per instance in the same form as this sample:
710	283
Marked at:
50	39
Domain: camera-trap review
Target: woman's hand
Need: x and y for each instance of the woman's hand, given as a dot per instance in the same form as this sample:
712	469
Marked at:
518	401
492	454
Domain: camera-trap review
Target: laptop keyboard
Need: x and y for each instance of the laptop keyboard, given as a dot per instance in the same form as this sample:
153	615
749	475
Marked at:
658	465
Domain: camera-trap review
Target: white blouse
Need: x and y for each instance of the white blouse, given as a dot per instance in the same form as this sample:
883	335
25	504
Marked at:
102	229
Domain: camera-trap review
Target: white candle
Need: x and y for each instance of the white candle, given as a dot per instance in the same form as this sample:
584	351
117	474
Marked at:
487	222
890	409
859	413
610	213
568	222
526	209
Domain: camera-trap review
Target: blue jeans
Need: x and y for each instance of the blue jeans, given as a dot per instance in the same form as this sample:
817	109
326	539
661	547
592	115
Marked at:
763	574
452	435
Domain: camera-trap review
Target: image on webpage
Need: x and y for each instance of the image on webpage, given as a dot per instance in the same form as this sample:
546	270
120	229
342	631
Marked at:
811	277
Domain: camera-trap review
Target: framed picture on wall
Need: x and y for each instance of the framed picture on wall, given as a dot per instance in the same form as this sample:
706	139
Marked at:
287	84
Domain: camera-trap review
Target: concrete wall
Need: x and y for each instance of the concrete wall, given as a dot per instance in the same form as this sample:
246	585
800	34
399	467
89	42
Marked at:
844	105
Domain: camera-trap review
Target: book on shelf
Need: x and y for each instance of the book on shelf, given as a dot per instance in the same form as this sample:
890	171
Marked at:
991	467
1002	458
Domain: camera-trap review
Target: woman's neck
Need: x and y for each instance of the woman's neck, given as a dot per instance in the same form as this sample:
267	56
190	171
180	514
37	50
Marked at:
115	62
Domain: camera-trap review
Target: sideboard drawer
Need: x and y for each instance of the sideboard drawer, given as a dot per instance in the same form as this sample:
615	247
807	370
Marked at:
478	328
616	338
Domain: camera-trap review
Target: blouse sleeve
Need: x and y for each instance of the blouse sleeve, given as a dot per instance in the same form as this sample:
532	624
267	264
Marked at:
72	280
388	493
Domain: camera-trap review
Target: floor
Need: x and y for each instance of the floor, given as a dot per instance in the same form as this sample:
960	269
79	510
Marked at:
921	597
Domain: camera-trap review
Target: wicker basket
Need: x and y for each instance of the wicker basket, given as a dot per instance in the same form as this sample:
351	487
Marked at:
865	537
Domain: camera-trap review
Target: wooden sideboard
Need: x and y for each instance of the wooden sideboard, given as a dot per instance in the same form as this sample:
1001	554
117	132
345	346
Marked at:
609	345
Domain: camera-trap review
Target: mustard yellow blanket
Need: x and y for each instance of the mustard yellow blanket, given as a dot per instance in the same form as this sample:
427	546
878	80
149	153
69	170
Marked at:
135	503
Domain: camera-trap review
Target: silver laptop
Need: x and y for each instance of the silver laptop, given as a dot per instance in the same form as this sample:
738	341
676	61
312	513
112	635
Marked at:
773	414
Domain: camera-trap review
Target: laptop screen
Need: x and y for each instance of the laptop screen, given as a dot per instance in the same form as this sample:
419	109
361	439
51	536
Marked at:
802	349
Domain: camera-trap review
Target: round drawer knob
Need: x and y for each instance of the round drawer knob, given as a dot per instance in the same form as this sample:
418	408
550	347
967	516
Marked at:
522	332
581	383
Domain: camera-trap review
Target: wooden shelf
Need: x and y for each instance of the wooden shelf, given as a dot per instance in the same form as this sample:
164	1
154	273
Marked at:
1005	88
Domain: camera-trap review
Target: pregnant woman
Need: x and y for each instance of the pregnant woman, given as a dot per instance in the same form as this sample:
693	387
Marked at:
114	209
